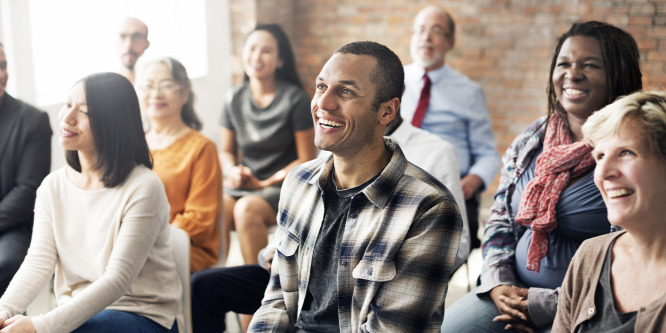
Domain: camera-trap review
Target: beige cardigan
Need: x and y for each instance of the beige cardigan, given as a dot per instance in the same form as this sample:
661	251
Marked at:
576	301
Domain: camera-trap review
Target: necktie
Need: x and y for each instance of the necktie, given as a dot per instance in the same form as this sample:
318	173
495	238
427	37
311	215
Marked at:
417	120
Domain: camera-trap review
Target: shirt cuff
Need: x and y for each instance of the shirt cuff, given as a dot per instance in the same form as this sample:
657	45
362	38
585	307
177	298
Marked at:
542	305
487	175
263	262
38	322
493	277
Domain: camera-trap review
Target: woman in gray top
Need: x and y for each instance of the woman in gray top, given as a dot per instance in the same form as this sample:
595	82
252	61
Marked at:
266	130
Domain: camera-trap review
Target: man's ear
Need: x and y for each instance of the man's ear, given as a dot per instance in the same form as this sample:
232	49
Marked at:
388	110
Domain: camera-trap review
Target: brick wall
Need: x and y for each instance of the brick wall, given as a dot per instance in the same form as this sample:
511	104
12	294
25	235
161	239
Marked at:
504	45
243	19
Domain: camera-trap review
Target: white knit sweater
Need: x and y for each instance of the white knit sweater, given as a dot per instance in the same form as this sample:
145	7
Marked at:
109	249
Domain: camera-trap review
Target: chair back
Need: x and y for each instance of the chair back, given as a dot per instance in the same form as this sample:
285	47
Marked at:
180	242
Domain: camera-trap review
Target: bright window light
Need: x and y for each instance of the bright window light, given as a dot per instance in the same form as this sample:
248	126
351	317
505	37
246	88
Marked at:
74	38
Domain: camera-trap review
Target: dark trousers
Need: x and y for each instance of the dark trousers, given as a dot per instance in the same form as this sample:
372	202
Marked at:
220	290
472	205
14	245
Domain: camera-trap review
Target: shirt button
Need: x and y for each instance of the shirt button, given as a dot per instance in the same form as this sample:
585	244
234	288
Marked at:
344	263
370	272
352	215
590	311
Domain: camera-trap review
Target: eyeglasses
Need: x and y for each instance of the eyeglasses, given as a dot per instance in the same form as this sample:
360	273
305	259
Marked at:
166	87
435	31
134	37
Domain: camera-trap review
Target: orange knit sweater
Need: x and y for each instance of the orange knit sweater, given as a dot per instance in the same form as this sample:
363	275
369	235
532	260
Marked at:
190	171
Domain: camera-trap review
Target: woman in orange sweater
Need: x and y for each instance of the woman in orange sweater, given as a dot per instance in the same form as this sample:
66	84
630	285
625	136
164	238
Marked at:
183	158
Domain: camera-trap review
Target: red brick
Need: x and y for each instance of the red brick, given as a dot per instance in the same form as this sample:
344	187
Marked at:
638	9
646	44
657	32
506	46
617	19
640	20
656	56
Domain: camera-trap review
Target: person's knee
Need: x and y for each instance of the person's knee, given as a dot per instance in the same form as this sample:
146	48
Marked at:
12	253
228	202
197	282
249	212
11	261
200	285
8	267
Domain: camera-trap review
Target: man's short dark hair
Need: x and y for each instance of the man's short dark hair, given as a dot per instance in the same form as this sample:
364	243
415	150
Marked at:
388	76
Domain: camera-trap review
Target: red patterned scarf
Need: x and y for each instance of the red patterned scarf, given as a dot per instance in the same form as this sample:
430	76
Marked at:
558	163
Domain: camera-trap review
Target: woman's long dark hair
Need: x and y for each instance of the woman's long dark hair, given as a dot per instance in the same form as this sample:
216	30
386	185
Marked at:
287	72
621	61
115	122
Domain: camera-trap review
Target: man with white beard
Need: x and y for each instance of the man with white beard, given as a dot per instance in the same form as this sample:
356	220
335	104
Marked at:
443	101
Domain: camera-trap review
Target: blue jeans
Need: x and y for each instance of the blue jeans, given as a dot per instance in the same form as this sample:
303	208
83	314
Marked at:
475	315
110	321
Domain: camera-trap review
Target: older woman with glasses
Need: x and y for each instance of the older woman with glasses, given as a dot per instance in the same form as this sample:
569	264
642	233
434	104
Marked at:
616	281
184	159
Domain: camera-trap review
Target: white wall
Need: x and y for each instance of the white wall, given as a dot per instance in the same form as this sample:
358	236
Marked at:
15	34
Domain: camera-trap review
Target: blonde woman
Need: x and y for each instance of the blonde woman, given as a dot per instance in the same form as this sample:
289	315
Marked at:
616	281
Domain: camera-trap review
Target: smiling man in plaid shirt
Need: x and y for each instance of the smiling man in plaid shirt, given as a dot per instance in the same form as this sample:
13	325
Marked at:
365	239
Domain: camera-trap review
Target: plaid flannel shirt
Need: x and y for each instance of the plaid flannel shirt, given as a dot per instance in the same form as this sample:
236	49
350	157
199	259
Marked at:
398	247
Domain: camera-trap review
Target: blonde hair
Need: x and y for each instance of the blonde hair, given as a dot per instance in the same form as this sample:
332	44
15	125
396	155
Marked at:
646	111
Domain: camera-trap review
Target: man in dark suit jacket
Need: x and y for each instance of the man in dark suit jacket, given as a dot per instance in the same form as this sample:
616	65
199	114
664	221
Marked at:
25	159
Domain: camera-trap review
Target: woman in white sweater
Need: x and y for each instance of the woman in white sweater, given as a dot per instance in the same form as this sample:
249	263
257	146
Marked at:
101	224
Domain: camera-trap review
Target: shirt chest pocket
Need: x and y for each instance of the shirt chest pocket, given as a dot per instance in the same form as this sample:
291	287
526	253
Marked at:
377	271
287	243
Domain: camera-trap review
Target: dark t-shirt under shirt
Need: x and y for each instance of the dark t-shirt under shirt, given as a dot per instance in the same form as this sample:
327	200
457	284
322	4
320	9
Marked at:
320	309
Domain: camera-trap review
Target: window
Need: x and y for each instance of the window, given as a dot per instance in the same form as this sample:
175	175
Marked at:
73	38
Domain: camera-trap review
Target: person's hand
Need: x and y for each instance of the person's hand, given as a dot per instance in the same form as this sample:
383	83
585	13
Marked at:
252	183
520	327
237	176
18	324
512	305
268	258
470	185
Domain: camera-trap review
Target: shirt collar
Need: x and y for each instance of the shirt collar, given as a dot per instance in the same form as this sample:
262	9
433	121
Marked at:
401	133
379	191
434	75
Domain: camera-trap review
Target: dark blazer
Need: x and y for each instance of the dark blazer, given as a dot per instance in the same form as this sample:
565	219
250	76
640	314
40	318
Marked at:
25	159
